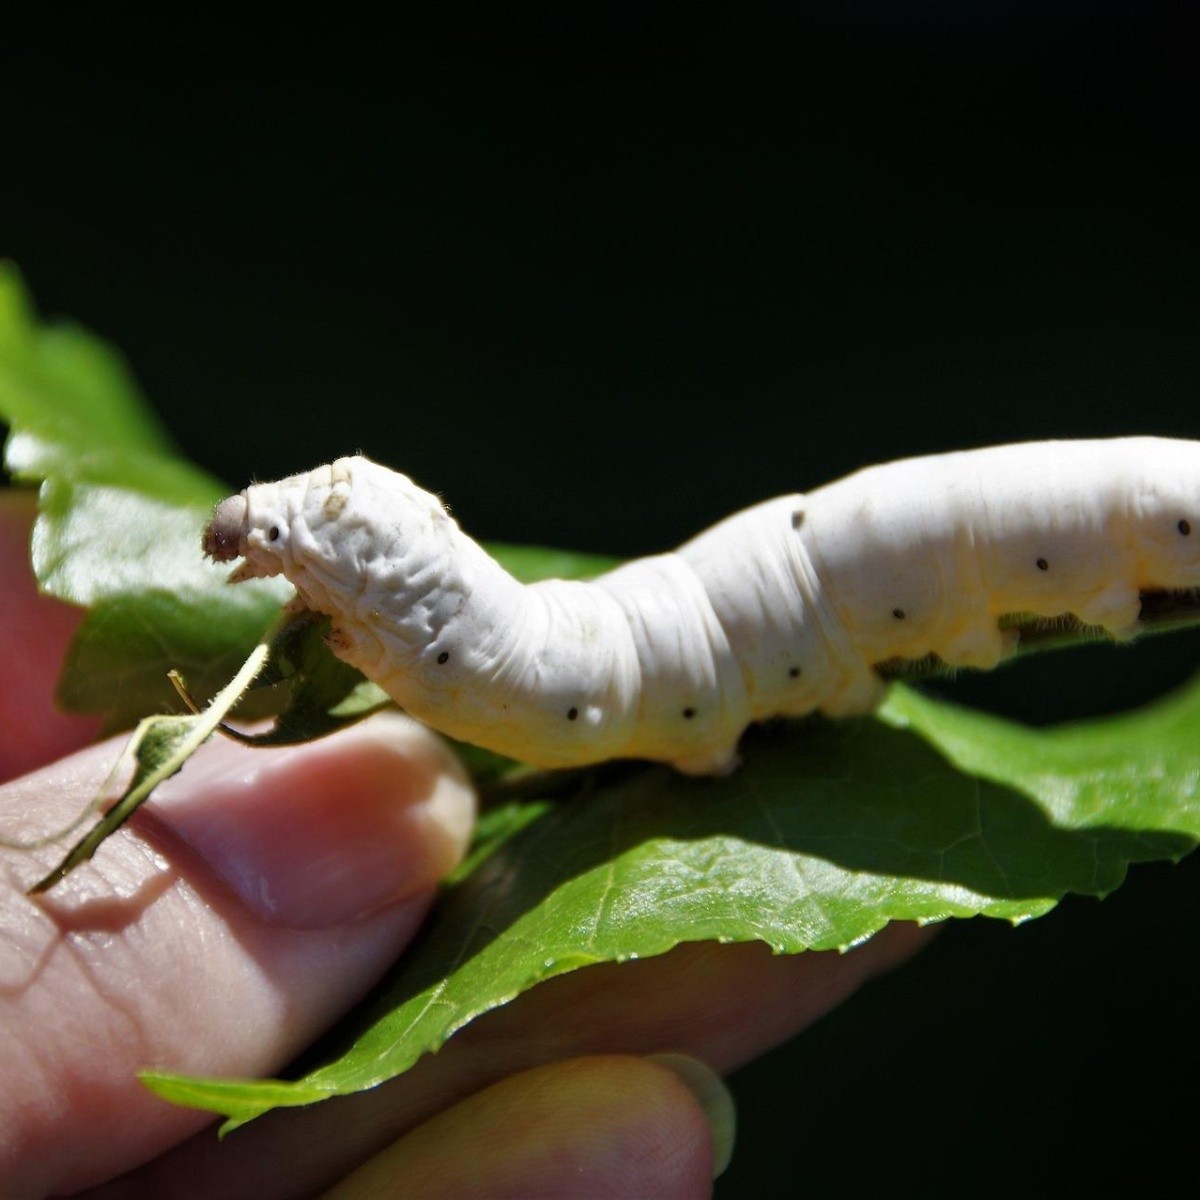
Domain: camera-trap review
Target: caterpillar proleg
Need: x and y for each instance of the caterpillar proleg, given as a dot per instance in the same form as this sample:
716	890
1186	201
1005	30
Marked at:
785	608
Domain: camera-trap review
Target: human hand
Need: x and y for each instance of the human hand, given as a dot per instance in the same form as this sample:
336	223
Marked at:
256	899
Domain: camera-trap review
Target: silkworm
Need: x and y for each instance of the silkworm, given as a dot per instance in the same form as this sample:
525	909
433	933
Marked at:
785	608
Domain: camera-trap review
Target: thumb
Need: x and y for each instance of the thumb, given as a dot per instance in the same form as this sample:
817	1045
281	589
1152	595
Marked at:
231	922
35	631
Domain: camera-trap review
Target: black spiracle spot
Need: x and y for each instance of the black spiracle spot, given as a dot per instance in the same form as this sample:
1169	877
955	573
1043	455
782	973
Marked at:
898	613
688	713
572	714
443	658
273	533
793	672
798	518
1184	527
1043	565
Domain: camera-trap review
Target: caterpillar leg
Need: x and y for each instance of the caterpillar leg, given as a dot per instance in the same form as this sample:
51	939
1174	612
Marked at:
981	647
859	694
1116	610
712	762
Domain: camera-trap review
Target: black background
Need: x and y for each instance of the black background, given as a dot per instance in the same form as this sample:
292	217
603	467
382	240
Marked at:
600	282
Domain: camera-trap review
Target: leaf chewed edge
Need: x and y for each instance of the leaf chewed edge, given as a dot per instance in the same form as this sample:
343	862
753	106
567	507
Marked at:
826	833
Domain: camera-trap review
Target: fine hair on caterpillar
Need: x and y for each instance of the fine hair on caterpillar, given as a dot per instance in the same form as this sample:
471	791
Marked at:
783	609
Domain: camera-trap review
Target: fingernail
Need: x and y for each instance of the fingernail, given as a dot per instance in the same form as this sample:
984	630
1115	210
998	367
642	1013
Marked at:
714	1098
317	835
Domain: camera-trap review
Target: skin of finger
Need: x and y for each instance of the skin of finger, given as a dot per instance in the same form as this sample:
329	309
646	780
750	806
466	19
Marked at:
35	631
602	1128
722	1004
145	959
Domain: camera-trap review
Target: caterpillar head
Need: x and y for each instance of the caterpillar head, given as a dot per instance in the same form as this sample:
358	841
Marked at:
257	525
342	530
222	537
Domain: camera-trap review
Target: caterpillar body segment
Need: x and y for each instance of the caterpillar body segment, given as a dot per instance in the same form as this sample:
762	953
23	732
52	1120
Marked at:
786	608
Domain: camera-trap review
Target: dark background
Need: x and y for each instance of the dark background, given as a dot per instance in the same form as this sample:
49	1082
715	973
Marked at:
600	283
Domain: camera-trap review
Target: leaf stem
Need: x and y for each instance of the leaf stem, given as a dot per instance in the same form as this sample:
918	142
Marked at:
189	733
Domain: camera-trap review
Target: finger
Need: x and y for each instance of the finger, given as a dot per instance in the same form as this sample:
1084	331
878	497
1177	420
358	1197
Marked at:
614	1127
243	912
722	1004
35	631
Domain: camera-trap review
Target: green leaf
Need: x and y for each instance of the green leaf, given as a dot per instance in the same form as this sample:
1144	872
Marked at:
159	748
327	694
824	835
530	563
120	517
76	411
318	700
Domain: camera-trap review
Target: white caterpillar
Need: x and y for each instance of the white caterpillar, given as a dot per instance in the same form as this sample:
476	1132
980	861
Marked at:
785	608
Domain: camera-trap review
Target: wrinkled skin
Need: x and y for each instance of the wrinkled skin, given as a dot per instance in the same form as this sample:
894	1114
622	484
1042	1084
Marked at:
250	905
